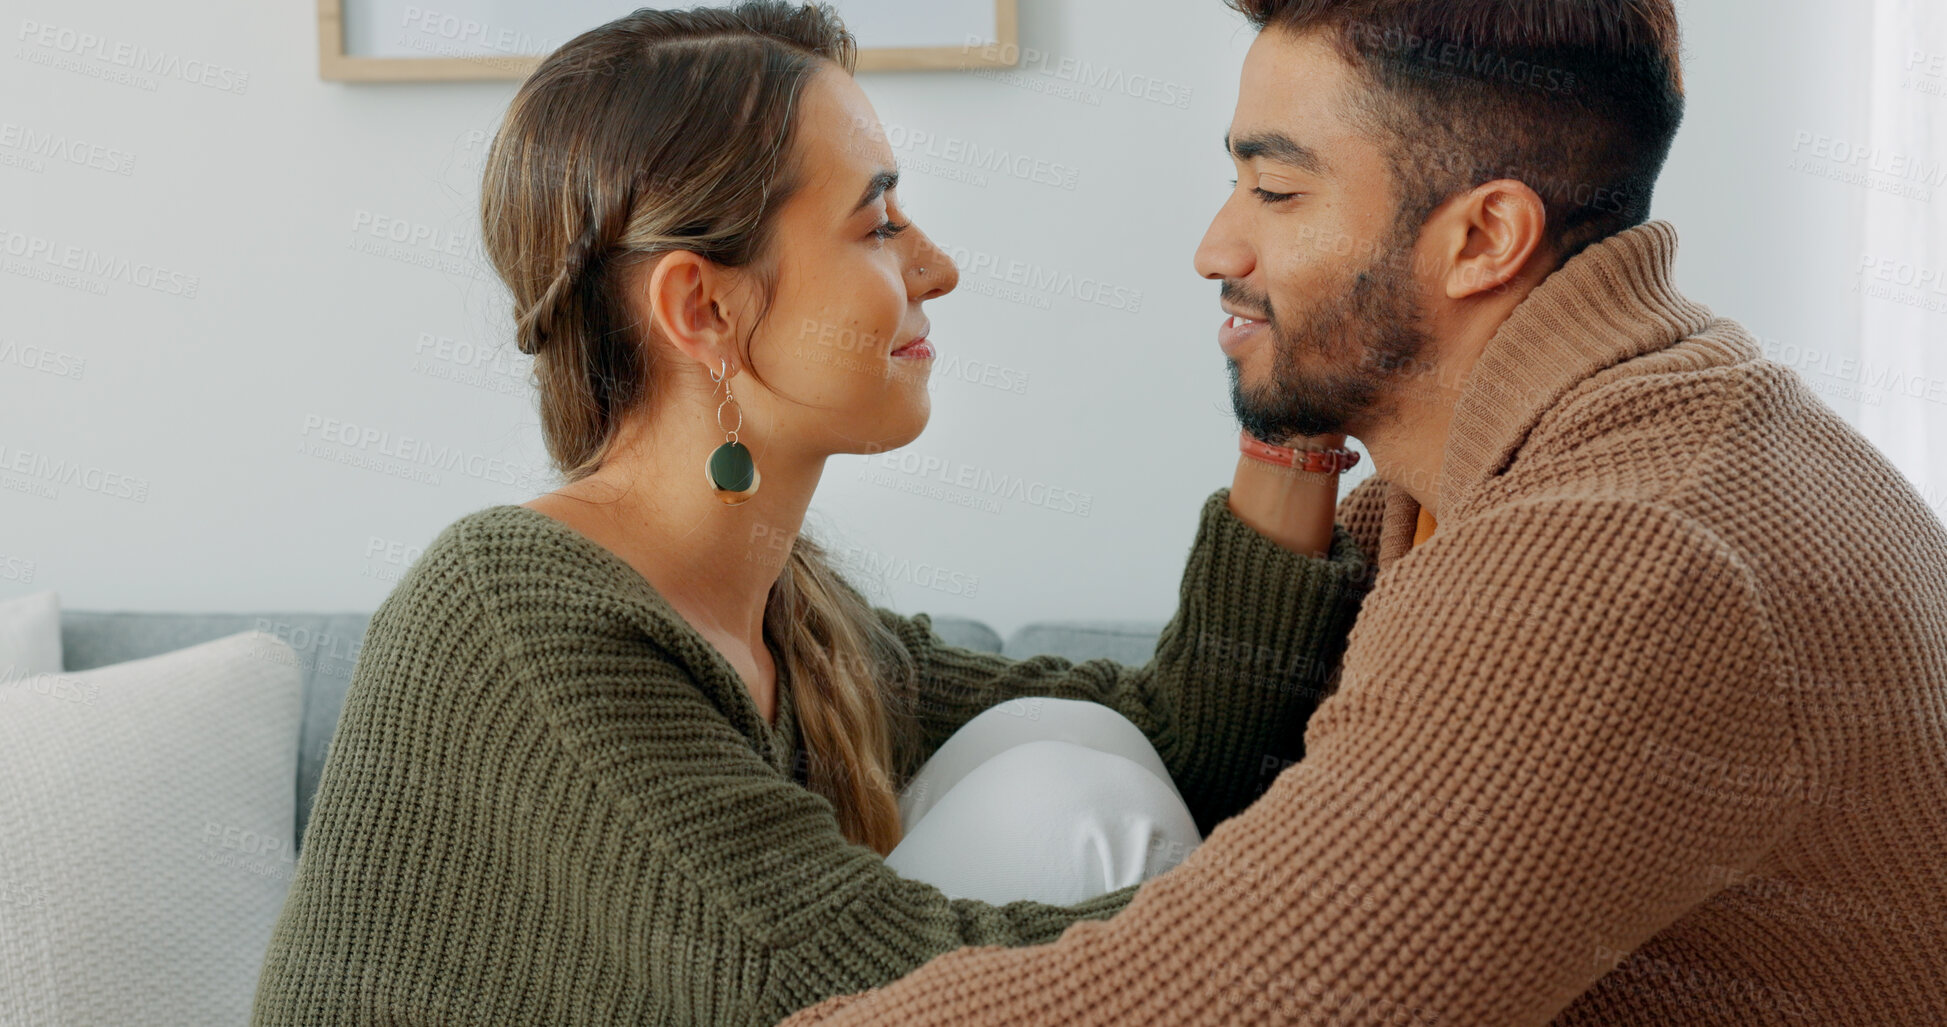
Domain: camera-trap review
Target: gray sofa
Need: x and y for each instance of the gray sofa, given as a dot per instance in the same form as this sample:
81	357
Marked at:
327	647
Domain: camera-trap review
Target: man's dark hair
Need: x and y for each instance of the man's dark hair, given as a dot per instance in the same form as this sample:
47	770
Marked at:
1579	99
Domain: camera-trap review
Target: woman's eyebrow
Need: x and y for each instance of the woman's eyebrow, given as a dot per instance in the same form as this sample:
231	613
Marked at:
876	188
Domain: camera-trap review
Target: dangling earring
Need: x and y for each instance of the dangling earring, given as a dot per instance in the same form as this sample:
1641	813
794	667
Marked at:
730	469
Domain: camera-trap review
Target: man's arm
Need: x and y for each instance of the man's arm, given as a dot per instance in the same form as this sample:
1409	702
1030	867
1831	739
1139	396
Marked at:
1556	724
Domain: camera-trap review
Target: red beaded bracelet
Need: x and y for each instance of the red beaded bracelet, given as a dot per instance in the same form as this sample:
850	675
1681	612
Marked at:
1322	461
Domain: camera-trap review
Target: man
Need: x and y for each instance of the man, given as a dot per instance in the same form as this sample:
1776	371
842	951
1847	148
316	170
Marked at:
1644	720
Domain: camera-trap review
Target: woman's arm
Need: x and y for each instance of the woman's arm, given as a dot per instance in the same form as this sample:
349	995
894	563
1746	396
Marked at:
1290	507
679	841
1236	674
739	860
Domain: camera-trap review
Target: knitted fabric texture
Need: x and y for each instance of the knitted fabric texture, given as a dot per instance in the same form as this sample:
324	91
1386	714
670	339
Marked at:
1651	731
549	800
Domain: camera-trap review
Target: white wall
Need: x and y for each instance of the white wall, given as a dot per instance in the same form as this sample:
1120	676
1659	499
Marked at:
193	421
1764	239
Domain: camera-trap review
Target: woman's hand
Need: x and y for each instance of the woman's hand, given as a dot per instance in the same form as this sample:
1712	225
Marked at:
1290	507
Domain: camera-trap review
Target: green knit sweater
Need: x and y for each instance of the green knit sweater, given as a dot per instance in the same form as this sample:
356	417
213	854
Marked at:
549	800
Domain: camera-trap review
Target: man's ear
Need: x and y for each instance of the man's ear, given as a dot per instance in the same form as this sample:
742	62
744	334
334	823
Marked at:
689	299
1489	235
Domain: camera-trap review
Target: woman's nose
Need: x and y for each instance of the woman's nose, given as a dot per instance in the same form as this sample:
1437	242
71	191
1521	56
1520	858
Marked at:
933	271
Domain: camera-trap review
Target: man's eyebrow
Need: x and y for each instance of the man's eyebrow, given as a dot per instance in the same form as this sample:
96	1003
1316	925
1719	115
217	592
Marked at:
1276	146
876	188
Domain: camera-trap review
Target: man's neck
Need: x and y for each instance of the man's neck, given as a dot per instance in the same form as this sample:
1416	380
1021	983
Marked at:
1408	452
1408	441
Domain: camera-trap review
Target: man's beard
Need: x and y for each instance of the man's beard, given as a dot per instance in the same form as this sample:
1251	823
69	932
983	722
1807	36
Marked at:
1374	321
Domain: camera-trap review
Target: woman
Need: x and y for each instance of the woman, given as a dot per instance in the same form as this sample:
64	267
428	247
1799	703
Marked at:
632	752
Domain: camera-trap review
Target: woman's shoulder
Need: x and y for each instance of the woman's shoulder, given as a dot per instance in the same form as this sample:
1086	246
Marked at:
496	567
441	572
514	549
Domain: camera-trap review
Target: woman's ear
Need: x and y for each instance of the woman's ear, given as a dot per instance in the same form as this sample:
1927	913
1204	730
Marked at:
690	303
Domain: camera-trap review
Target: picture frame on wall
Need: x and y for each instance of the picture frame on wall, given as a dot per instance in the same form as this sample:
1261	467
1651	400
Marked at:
458	40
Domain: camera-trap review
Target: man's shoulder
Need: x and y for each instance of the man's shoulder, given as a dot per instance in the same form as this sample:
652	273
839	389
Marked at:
1550	559
1662	428
1690	386
1696	393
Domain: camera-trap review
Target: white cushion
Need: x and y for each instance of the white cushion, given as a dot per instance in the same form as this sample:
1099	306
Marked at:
30	636
146	818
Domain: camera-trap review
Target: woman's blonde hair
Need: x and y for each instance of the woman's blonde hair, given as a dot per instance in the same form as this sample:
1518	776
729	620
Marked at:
664	131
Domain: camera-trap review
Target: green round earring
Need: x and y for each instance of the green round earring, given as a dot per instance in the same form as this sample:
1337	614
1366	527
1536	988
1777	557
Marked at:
730	469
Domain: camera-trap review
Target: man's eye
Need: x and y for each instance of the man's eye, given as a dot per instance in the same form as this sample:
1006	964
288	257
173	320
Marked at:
1266	195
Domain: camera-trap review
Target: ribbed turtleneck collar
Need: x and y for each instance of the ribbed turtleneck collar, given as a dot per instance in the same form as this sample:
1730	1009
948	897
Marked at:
1612	302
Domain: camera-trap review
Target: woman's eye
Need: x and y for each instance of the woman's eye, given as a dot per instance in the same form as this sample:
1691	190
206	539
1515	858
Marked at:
887	230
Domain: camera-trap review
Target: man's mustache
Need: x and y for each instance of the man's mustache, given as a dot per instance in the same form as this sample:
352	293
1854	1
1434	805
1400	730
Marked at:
1244	298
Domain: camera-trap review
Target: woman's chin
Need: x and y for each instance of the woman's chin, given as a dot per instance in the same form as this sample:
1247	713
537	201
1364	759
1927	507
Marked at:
900	436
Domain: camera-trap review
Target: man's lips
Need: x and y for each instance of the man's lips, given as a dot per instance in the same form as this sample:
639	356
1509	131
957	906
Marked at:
1237	331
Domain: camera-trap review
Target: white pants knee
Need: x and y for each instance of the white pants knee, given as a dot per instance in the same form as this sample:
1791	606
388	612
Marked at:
1056	800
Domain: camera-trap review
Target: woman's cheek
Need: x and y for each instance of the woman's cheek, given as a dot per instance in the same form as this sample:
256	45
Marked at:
893	309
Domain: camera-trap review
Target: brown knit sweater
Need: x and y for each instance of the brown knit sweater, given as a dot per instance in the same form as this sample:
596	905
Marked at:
1652	731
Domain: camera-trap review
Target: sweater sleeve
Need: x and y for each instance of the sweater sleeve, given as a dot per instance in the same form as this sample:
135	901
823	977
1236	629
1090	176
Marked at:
1557	724
758	856
1236	673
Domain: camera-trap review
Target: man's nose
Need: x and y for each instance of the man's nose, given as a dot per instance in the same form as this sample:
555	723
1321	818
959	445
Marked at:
1223	253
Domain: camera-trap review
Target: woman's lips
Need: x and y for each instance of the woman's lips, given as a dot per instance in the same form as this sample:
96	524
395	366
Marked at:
1237	332
918	349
